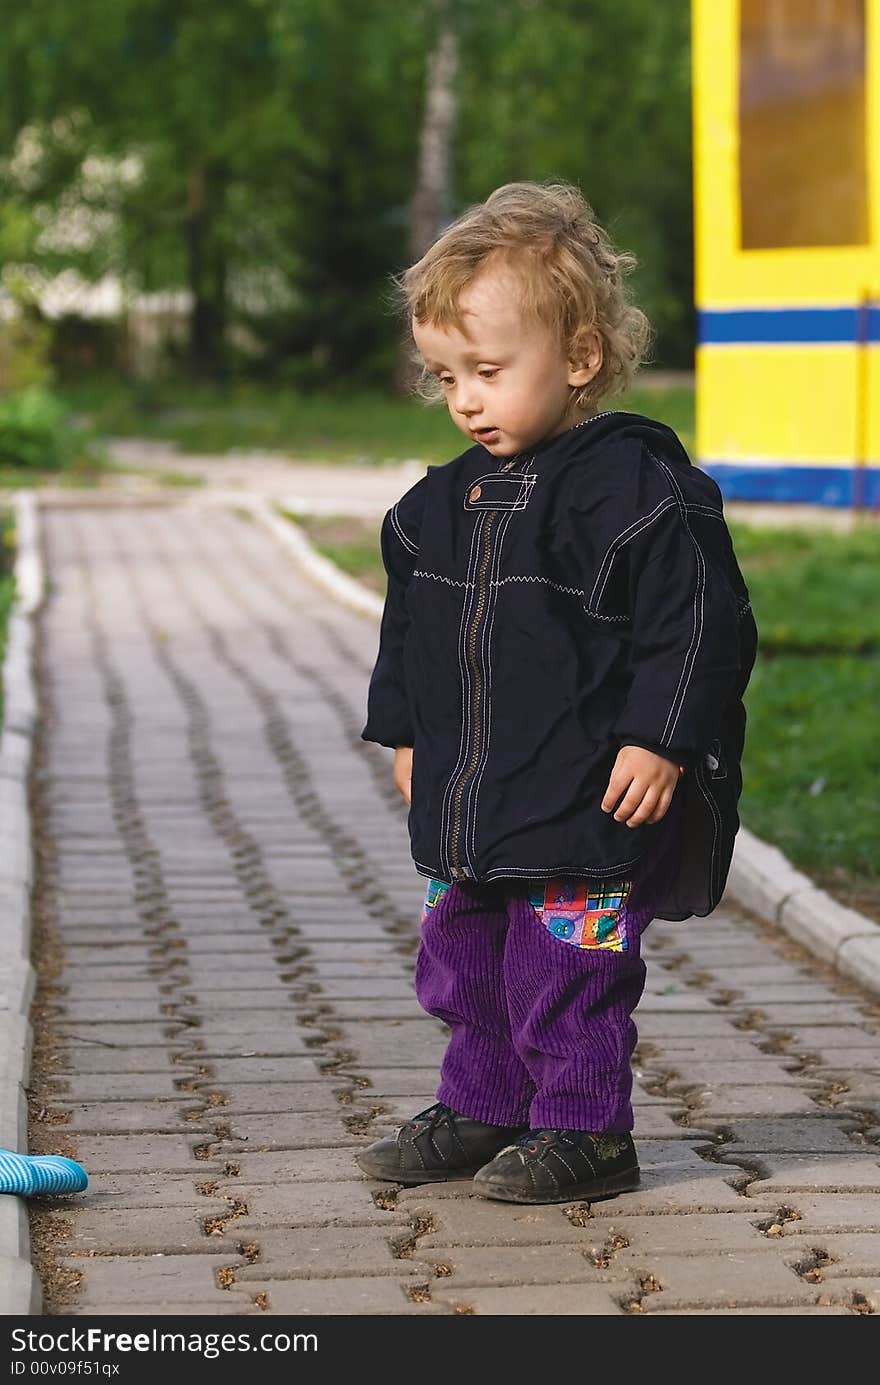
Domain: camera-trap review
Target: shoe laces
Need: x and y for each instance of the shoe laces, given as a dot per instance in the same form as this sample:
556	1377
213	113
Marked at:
540	1141
435	1115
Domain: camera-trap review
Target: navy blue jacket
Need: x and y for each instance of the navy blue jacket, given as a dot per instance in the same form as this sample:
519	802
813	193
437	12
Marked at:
542	611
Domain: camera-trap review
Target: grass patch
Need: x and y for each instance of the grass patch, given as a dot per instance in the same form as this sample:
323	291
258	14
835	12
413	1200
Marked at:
364	428
811	774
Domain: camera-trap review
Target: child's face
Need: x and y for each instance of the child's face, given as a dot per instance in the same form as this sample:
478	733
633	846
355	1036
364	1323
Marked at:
507	382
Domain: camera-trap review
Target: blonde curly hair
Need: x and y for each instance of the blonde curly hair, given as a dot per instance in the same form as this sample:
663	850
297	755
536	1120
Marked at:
570	276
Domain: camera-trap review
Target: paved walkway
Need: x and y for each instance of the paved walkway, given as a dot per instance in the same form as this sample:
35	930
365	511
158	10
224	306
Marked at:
228	916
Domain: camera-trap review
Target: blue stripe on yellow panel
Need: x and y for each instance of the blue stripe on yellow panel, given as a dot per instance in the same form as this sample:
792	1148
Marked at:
818	485
720	326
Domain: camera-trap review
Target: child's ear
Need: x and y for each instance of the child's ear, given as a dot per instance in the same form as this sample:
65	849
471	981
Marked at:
589	361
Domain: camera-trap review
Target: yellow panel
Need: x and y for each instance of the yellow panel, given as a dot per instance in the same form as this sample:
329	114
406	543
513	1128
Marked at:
795	404
869	447
726	276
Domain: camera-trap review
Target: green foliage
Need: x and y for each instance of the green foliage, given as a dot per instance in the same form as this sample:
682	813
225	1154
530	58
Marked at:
262	153
812	589
360	426
36	434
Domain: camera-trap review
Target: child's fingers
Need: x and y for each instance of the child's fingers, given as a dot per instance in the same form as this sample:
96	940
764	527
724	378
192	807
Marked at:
644	806
660	811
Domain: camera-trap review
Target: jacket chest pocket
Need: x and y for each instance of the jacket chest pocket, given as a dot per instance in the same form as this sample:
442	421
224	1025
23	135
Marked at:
497	491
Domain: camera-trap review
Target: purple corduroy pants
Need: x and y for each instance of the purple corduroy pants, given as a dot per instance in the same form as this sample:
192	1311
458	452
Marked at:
541	1031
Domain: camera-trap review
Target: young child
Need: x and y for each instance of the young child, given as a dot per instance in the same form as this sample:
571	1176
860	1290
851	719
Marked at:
563	651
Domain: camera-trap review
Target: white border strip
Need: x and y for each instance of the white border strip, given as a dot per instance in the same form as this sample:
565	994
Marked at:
20	1290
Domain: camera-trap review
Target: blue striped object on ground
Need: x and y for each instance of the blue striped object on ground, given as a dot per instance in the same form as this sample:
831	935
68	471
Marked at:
35	1175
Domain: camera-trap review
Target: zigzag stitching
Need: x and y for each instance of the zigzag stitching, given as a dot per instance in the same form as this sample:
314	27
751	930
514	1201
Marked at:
572	591
437	577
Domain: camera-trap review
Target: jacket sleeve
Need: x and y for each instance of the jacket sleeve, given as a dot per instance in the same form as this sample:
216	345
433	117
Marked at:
389	720
685	599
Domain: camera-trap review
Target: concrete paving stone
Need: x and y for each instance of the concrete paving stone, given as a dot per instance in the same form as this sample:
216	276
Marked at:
789	1174
498	1266
853	1255
114	1036
825	1213
673	1052
207	982
367	987
463	1219
807	1311
110	974
129	1154
142	1281
273	996
535	1300
405	1008
321	1165
761	1068
115	1117
832	1036
288	1129
110	953
86	986
858	1061
406	1043
822	1134
727	1281
327	1252
684	1026
238	1308
227	1072
112	1061
228	948
829	1012
366	953
393	1082
692	1234
157	1190
148	1231
349	1297
279	1099
115	936
728	1102
681	1002
110	1089
102	1011
312	1204
389	967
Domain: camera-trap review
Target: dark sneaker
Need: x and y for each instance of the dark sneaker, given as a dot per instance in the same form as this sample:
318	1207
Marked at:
560	1166
434	1146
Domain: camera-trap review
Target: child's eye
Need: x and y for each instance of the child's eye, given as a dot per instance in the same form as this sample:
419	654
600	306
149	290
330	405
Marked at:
445	380
488	374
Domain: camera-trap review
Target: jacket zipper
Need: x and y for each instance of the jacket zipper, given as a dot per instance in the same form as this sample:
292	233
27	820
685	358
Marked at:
459	871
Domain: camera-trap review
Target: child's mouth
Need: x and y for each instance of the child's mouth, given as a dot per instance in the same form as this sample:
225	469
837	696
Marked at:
487	434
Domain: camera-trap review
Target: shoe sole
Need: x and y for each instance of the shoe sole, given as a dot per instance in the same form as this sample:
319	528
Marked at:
411	1178
594	1191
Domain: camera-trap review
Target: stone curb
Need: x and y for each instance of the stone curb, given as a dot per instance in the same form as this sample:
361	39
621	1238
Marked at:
761	880
20	1290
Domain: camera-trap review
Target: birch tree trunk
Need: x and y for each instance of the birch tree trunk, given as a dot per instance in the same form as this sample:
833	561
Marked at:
432	200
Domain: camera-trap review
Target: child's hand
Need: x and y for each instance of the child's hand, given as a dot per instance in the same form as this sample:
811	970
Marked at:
648	782
403	758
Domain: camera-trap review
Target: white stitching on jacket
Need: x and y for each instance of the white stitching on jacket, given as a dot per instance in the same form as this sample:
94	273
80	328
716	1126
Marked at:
699	593
438	577
630	532
474	786
464	674
398	529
